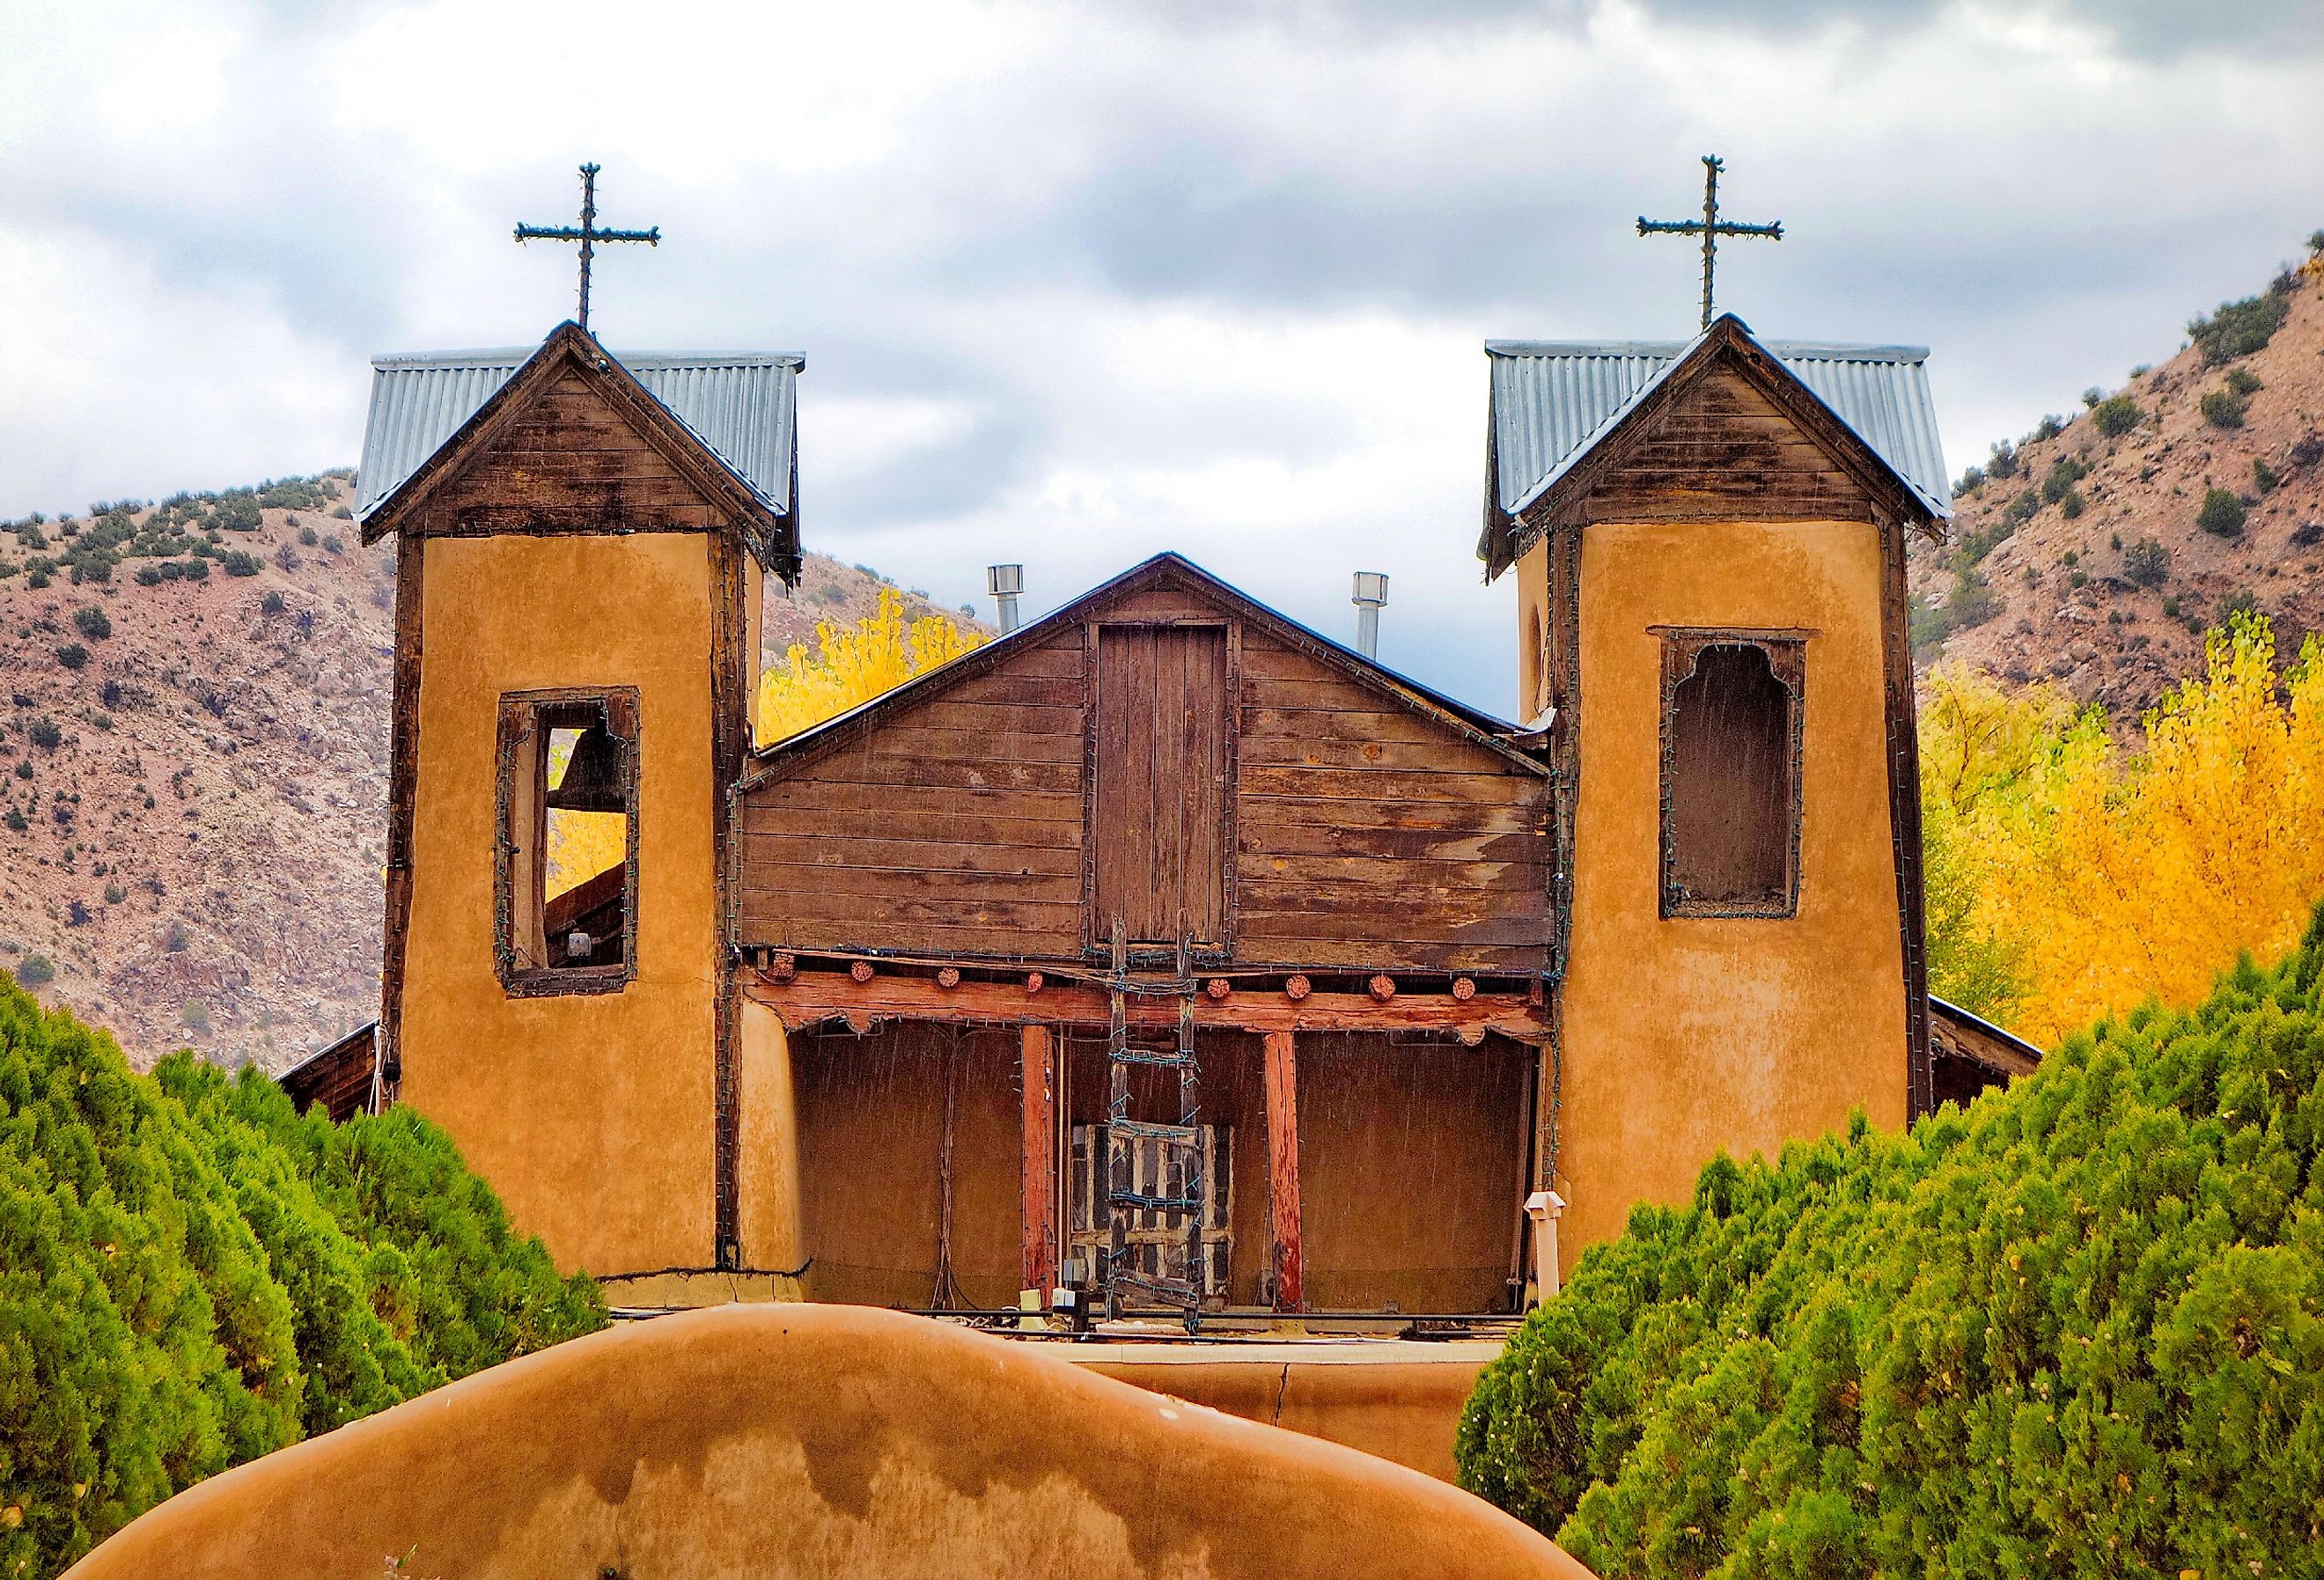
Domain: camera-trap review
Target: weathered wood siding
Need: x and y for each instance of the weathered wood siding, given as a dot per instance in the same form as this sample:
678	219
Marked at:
1363	831
1370	834
1723	452
571	463
954	827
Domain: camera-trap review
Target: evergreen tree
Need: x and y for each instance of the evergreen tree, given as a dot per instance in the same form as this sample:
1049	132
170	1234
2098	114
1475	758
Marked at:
192	1275
2074	1331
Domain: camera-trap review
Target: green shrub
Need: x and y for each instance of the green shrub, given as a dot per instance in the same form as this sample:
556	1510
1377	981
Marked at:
15	820
2002	462
2239	328
192	1275
149	576
2222	513
270	602
2171	607
2147	563
2242	380
34	971
45	734
2022	508
236	511
2117	415
2064	474
234	562
2264	477
1971	480
2050	426
91	622
1971	601
195	570
72	655
2241	601
2222	408
2073	504
2072	1332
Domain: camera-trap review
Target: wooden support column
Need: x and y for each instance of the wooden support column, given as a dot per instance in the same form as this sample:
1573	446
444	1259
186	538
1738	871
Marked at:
1040	1150
1283	1167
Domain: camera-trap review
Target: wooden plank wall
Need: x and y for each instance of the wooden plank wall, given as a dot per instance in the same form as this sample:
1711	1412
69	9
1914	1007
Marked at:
954	828
1366	833
1724	452
571	462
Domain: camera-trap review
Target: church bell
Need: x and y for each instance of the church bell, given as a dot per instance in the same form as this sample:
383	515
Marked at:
593	775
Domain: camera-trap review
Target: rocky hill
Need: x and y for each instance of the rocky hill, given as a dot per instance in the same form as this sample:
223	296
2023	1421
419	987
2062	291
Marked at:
193	762
2097	550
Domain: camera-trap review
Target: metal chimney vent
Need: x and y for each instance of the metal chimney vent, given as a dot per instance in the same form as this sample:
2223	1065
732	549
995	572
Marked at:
1371	598
1004	582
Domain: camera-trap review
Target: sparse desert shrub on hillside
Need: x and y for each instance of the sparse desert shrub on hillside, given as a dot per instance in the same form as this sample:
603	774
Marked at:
2239	328
2222	513
72	655
2092	397
331	544
306	536
2072	1333
236	511
44	734
35	971
91	622
2242	602
270	602
192	569
17	823
2117	415
234	562
2222	408
2147	563
1971	479
2064	474
149	576
2242	380
2073	504
2021	509
30	536
2049	428
2002	462
2264	477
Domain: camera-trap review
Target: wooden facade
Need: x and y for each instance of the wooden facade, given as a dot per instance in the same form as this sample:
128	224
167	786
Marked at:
1339	853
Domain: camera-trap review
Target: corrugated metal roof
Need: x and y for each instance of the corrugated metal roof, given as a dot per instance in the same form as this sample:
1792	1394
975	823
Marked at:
1554	400
742	405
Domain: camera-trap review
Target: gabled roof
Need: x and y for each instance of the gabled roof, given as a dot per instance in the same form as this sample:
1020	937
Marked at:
1553	402
740	406
1511	741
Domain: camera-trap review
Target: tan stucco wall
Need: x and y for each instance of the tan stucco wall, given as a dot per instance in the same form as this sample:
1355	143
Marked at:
815	1441
590	1114
766	1158
1399	1398
1685	1035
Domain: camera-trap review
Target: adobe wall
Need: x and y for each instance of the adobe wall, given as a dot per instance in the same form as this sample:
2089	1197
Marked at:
1688	1035
819	1443
591	1113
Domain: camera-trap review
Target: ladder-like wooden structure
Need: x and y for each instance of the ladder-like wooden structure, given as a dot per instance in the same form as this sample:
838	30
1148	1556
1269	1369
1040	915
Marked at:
1181	1187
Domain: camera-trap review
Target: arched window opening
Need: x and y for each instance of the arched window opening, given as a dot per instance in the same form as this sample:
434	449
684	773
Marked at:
1730	774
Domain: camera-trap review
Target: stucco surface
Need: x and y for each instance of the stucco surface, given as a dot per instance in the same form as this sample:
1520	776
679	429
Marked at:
815	1441
1688	1035
1396	1399
590	1114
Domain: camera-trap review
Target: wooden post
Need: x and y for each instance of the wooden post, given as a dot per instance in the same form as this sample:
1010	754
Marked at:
1283	1167
1040	1180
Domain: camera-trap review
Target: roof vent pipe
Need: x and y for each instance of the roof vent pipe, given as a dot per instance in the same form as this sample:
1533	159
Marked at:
1371	598
1004	582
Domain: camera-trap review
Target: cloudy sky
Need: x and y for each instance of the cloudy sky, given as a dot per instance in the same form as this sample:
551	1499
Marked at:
1077	283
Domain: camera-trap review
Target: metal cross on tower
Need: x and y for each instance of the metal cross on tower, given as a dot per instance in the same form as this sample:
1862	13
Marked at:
1709	227
586	232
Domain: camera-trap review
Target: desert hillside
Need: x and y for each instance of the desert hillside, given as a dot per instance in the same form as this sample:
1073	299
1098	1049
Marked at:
2097	550
193	762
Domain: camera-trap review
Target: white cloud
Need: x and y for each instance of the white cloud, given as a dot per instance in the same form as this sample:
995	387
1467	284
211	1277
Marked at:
1081	281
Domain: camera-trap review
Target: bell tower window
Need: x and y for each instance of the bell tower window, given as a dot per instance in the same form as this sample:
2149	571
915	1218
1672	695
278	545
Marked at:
1732	738
565	859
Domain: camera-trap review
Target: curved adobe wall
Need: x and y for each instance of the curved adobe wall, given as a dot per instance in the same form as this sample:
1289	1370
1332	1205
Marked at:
815	1441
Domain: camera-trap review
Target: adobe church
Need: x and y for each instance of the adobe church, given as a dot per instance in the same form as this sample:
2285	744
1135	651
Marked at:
1162	948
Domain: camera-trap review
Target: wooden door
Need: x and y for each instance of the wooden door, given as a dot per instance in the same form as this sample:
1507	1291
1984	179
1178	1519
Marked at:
1159	825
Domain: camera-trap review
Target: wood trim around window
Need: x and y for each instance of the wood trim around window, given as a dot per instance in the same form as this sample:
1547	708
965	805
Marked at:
523	716
1682	647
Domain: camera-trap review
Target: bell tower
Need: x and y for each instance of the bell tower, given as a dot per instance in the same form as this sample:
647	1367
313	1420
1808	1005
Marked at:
581	544
1708	542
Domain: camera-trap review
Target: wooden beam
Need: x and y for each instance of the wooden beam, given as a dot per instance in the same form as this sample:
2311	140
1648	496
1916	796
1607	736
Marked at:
1283	1169
1040	1151
811	996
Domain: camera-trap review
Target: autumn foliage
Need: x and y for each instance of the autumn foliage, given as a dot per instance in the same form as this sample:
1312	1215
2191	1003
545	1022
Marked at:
2070	878
851	665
